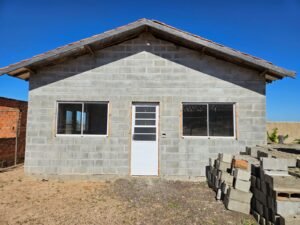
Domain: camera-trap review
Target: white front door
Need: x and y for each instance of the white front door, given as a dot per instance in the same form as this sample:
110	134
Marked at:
144	145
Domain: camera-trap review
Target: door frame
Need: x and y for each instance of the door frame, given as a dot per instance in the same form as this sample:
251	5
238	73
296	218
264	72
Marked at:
130	136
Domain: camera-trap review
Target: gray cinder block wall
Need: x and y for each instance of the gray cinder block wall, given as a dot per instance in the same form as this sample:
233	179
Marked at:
142	69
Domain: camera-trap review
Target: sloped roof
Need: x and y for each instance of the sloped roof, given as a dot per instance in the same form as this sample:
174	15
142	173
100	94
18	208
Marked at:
24	68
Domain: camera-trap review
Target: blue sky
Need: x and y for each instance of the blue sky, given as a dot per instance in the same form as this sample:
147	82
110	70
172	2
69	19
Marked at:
269	29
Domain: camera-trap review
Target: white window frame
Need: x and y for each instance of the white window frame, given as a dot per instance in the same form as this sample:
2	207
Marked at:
82	103
207	105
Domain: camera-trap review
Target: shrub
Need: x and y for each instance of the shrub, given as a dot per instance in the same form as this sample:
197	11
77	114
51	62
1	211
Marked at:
297	141
275	138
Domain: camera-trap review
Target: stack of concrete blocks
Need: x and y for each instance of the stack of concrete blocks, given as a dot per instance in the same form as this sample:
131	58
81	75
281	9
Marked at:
276	194
231	184
265	152
218	173
238	197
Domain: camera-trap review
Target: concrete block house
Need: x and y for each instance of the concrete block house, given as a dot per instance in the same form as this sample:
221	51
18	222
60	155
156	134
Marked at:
142	99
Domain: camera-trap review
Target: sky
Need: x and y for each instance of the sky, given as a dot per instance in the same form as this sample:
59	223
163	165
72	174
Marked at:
268	29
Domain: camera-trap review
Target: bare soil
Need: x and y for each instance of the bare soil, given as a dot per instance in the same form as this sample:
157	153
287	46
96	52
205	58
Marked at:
24	200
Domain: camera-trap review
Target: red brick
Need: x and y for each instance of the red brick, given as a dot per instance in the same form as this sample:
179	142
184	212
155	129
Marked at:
10	112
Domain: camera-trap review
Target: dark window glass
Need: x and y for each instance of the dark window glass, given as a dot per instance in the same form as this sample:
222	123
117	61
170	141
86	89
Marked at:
194	120
145	130
145	115
144	137
221	120
145	109
72	120
69	118
144	122
95	118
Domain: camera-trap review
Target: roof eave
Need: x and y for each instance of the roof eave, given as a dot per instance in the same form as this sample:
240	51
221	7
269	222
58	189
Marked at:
134	29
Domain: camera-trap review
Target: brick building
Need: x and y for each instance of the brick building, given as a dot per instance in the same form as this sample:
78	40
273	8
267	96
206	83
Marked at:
142	99
13	114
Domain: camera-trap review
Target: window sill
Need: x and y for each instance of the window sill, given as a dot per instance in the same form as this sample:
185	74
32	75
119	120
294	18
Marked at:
79	135
207	137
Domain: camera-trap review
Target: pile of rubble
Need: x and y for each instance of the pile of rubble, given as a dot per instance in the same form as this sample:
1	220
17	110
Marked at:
255	182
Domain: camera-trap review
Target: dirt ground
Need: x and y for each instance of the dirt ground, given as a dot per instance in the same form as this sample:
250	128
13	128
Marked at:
24	200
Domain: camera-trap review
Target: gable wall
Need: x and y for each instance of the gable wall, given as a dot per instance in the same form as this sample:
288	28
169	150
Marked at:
143	69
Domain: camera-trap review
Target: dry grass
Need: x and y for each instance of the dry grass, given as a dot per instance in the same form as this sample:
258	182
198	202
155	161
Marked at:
24	200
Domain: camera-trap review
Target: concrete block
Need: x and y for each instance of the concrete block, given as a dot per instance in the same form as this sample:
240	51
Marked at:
287	208
266	213
210	162
241	174
227	178
274	164
261	173
282	182
214	171
263	154
209	175
253	181
264	187
252	151
290	220
275	218
255	170
276	172
216	163
248	149
258	183
271	202
219	194
252	203
259	207
292	162
271	218
256	215
239	195
219	174
224	166
237	206
262	220
216	182
225	157
224	188
260	196
242	185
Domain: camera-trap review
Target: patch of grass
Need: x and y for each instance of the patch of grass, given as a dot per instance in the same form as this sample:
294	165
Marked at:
248	222
173	205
